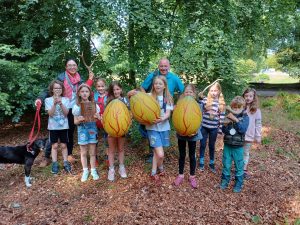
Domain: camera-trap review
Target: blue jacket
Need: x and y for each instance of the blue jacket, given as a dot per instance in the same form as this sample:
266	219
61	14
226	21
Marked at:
238	138
174	82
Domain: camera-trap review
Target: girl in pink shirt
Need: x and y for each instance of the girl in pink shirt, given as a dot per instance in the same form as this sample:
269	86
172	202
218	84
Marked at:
253	133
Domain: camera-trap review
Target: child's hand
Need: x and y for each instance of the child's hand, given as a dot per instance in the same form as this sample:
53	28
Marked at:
81	119
131	93
158	120
201	95
97	116
232	117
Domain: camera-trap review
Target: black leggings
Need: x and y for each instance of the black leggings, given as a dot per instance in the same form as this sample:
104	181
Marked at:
182	154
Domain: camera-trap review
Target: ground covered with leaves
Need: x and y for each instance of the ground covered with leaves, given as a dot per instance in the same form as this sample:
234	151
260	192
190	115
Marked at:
271	196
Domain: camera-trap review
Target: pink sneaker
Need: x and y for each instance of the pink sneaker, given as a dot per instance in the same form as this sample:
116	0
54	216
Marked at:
178	180
193	182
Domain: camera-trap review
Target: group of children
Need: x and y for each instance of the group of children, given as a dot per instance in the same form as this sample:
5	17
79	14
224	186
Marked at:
241	127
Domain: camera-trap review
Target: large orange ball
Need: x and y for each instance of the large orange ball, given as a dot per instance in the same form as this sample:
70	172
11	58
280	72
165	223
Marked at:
116	118
187	116
145	109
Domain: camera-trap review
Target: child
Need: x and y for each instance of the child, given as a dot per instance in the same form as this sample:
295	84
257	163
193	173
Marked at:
213	116
87	132
58	109
116	143
100	97
253	133
158	133
189	90
234	139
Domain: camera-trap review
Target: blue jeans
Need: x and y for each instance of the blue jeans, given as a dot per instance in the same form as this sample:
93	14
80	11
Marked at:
212	133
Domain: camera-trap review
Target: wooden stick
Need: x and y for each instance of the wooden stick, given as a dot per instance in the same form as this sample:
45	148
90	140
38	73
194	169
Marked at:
211	85
89	68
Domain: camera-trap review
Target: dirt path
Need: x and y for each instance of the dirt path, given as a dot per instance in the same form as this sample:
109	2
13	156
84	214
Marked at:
271	195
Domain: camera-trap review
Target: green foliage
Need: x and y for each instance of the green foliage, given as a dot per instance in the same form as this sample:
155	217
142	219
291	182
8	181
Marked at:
268	103
256	219
266	140
246	68
261	78
290	103
272	62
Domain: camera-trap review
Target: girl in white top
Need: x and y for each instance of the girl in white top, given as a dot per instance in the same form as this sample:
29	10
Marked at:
158	132
57	108
253	133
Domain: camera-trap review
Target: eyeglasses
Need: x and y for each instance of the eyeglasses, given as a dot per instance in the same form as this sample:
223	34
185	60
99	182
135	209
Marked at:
72	66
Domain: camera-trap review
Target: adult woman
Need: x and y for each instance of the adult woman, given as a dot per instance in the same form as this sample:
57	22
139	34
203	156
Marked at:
71	80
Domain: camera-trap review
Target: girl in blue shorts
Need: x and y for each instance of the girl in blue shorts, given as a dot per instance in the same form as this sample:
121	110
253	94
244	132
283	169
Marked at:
158	132
87	132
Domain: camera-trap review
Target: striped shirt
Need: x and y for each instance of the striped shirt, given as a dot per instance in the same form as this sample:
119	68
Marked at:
212	118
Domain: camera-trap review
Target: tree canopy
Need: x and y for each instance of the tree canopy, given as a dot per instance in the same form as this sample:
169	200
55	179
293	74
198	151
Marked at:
204	40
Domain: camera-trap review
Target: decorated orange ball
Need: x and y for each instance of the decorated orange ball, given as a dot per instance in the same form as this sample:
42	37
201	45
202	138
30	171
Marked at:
187	116
116	118
145	109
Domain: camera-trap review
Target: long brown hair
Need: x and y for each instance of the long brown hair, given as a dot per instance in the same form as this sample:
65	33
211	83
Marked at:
110	91
221	100
255	103
167	96
78	98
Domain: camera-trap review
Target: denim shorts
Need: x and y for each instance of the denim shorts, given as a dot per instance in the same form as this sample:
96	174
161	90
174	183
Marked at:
158	138
87	133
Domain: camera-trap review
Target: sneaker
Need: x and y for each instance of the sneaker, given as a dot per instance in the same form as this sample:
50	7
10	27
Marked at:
201	167
67	166
94	174
55	168
111	175
46	161
212	168
193	182
156	179
71	159
85	175
122	172
178	180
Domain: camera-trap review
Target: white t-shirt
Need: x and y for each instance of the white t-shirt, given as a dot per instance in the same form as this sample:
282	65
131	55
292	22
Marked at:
77	111
164	125
58	121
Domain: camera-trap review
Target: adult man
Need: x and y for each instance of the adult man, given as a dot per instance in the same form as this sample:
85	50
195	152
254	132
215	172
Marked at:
174	84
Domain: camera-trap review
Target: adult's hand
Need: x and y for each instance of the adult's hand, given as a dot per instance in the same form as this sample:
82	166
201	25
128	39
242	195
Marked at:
91	75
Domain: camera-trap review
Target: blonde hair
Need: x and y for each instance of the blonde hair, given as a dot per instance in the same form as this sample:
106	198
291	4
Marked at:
191	86
255	103
78	98
167	96
238	101
210	99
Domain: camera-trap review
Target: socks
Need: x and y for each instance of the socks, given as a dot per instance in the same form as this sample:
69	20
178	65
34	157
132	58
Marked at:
153	172
112	168
161	168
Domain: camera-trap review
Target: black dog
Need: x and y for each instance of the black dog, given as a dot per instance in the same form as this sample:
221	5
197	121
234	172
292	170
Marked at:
20	155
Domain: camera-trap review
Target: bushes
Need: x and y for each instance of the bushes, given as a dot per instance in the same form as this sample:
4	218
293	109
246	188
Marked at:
290	103
19	86
261	78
